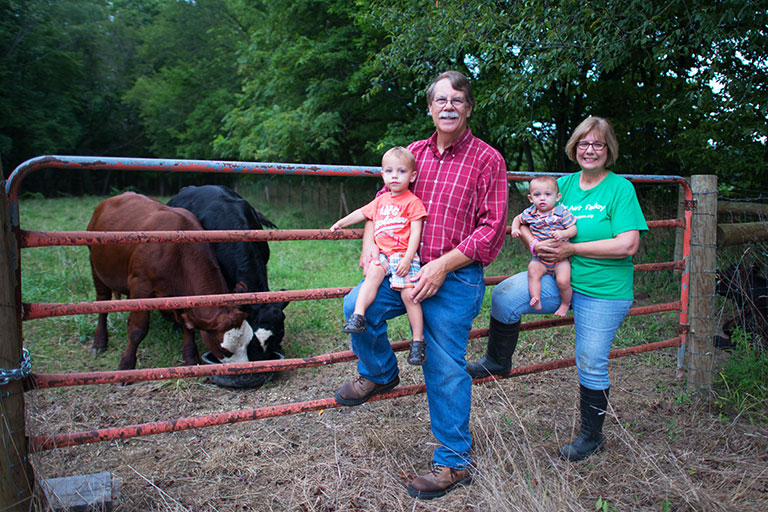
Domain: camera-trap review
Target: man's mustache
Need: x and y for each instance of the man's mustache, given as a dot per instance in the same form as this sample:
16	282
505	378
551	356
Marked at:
448	115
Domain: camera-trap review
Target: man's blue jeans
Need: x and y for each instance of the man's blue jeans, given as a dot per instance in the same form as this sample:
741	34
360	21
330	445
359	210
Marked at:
448	319
595	320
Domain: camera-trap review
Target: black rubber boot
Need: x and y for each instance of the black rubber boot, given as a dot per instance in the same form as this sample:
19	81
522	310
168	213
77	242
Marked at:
502	341
590	440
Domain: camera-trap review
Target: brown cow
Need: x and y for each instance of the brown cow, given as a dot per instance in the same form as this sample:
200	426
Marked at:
163	270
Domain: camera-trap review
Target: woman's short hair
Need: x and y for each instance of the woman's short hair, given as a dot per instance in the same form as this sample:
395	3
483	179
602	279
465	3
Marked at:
458	82
604	128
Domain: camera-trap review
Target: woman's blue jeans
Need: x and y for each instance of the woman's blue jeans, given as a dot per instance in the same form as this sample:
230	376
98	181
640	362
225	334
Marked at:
595	320
448	319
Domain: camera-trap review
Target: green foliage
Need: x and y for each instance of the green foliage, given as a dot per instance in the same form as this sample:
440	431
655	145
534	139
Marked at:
337	82
188	53
602	505
743	384
541	67
34	50
304	78
63	66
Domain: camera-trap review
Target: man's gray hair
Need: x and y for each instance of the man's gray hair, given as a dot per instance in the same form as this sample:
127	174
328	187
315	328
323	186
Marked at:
458	82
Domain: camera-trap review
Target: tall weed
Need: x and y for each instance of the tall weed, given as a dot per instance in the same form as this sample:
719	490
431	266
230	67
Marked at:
743	381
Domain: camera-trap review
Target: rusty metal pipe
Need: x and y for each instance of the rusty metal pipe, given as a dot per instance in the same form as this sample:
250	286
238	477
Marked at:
40	443
30	239
56	380
35	310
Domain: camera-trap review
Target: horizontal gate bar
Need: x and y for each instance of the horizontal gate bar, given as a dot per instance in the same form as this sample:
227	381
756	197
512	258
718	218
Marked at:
56	380
36	310
29	239
39	443
92	163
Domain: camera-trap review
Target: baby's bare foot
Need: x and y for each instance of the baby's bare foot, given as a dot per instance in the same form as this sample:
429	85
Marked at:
562	310
535	303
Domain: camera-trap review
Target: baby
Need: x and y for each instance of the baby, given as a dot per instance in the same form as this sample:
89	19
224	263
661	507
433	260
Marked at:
547	221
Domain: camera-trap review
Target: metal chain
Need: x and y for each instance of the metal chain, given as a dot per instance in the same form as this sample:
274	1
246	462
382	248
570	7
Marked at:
24	369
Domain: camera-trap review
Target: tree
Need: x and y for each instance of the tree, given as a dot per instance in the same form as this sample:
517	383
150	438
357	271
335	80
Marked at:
333	81
189	79
42	75
63	66
654	67
304	88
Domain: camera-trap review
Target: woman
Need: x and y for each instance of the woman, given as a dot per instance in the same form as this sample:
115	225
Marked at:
610	224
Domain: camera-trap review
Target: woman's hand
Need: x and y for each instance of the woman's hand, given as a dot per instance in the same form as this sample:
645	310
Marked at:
554	250
622	245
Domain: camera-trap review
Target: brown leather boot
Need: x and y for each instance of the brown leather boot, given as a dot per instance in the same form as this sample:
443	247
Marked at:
360	390
438	482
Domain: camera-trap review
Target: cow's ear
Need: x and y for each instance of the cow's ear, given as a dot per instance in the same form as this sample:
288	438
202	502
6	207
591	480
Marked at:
241	287
187	321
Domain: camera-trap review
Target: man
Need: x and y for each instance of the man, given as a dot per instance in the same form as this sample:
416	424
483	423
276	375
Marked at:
462	183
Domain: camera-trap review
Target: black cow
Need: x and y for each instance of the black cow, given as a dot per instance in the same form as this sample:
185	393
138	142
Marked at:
746	286
221	208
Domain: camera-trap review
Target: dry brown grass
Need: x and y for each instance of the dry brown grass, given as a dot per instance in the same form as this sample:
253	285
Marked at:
664	451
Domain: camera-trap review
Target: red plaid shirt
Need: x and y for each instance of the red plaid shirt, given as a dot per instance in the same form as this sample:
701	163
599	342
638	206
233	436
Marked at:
465	193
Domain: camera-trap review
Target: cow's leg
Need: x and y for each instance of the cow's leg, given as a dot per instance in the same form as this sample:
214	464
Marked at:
138	326
189	348
101	336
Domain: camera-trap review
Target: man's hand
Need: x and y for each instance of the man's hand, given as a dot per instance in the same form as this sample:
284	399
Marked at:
431	278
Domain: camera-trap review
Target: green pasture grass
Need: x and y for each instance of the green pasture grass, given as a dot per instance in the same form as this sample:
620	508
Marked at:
62	274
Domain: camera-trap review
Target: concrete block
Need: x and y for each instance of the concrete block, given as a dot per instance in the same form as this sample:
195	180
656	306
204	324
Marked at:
81	493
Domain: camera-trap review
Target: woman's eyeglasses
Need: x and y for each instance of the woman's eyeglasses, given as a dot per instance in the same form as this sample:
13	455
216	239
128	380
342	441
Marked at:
597	146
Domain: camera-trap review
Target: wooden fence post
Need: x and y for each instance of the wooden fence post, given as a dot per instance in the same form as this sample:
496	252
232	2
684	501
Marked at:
703	261
16	479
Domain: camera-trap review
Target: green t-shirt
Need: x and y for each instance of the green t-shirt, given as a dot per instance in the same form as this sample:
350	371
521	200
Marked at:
602	212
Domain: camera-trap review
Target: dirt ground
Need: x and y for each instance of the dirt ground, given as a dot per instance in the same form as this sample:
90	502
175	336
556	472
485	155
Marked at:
665	450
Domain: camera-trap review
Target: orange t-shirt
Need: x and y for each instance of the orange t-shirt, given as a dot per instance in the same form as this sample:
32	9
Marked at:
392	217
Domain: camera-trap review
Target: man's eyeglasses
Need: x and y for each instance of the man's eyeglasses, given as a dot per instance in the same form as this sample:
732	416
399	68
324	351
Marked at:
597	146
456	102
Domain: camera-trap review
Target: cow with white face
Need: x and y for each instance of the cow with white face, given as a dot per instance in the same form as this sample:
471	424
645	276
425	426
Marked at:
237	341
241	263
